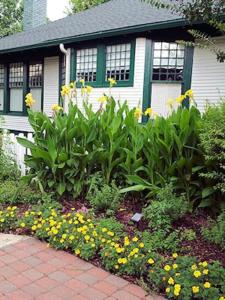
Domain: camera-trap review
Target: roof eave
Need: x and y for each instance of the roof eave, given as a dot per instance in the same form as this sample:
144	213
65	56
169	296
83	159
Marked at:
101	34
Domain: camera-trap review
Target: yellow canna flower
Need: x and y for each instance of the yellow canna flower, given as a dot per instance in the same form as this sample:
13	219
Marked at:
112	82
56	108
82	81
29	100
89	89
137	113
195	289
148	112
65	90
189	94
180	99
102	99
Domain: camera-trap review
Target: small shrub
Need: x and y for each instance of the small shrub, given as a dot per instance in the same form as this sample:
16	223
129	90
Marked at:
8	168
216	232
11	193
103	197
166	209
188	235
161	241
8	218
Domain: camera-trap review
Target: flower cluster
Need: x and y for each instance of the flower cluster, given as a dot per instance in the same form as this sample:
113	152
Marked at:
179	100
29	100
8	218
148	113
56	108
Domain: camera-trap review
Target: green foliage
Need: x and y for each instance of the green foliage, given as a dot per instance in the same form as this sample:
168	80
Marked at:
8	168
216	232
184	278
112	225
161	241
165	209
188	235
80	5
103	197
11	12
212	141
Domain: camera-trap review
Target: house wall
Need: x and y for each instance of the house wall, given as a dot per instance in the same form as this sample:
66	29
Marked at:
161	93
208	76
134	94
50	96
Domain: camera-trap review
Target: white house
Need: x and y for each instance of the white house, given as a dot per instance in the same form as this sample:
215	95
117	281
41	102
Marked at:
123	39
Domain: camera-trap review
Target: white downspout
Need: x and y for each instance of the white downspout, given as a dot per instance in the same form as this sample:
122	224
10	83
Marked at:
67	53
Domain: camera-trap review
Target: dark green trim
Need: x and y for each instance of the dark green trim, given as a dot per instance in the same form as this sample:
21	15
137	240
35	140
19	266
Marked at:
114	32
60	77
187	73
101	64
147	88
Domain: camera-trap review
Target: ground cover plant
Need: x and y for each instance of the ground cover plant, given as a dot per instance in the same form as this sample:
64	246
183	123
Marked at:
95	170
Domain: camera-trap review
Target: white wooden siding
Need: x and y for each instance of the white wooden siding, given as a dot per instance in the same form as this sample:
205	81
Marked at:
18	123
161	93
133	95
208	76
51	83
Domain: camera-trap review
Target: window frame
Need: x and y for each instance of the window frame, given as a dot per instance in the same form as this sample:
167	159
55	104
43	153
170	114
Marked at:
153	57
3	88
26	89
101	63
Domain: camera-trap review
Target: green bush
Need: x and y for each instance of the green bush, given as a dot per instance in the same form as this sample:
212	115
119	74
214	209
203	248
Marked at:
212	141
216	232
165	209
11	193
103	197
8	168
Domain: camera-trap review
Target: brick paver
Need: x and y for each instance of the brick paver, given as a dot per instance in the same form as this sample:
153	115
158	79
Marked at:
31	270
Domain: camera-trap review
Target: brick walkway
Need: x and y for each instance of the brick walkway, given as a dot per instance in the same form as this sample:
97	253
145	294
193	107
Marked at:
30	270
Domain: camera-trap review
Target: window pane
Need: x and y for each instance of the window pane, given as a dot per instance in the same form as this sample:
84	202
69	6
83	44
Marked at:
1	99
86	64
16	75
2	76
35	74
37	95
168	62
16	99
118	62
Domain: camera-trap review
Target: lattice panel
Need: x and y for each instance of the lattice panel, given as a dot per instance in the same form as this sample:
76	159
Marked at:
35	75
168	61
118	62
87	64
15	75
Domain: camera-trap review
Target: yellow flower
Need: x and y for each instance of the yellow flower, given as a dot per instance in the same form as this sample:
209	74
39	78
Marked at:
167	268
112	82
222	298
34	227
77	251
207	285
29	100
197	274
167	290
175	255
135	239
189	94
56	108
194	267
151	261
180	99
171	281
205	271
177	288
204	264
122	260
65	90
89	89
149	112
137	113
195	289
82	81
175	266
141	245
22	225
102	99
116	267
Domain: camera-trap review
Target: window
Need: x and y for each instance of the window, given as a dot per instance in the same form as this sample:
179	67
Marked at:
16	87
168	62
2	84
87	65
118	62
35	83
